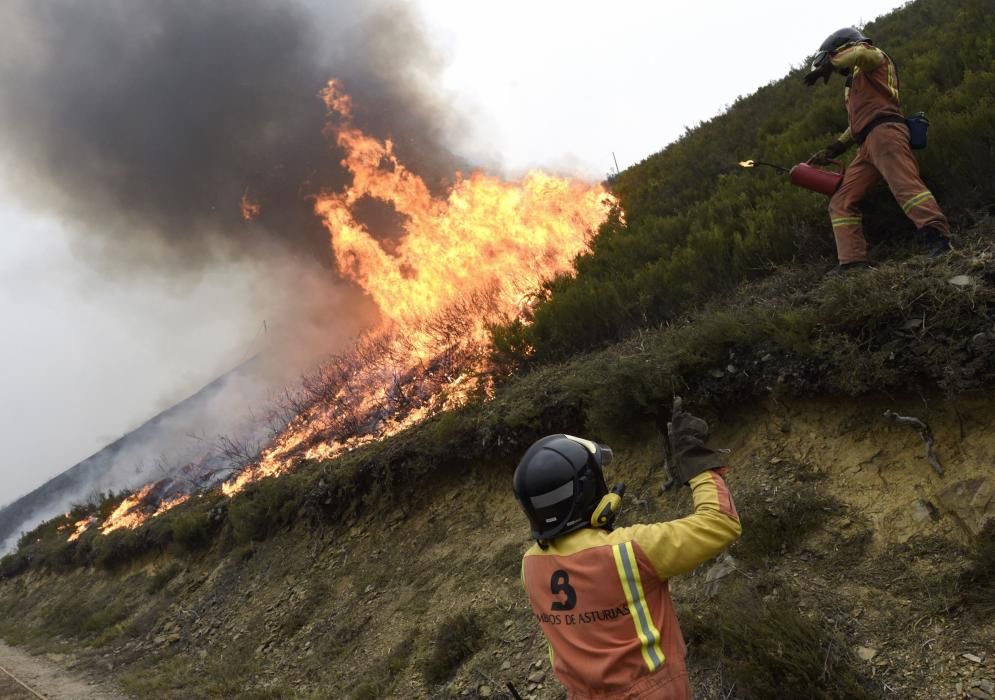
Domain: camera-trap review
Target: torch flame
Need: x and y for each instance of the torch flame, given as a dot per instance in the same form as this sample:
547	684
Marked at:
746	164
249	207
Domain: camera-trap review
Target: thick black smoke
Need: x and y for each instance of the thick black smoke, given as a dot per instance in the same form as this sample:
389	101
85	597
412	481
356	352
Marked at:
146	122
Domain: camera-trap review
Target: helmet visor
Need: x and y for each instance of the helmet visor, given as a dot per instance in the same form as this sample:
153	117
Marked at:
820	60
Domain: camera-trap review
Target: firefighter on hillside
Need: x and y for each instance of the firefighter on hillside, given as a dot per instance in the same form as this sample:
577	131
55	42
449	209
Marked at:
600	594
877	125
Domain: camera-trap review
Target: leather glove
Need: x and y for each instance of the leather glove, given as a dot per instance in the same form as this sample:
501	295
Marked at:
823	71
687	434
828	154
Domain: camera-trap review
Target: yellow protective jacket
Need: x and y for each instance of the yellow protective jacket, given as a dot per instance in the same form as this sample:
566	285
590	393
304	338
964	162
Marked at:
603	601
872	90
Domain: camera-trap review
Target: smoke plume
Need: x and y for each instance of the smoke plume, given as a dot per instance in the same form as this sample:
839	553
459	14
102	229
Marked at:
148	127
149	122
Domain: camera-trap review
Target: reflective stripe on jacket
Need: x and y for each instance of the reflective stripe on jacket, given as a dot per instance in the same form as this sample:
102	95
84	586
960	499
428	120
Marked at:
873	89
603	602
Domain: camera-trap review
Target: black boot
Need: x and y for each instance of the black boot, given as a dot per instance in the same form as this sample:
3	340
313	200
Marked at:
934	242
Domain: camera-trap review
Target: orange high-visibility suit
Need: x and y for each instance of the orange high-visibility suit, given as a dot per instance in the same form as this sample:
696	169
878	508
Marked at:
603	601
876	122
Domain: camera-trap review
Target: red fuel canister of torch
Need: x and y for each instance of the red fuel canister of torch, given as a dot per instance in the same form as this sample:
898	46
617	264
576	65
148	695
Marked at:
811	178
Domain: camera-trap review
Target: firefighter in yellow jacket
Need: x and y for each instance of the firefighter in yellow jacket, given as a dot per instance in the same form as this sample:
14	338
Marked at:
876	124
599	593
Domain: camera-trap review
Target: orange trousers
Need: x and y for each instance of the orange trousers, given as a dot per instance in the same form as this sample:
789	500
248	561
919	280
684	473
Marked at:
885	153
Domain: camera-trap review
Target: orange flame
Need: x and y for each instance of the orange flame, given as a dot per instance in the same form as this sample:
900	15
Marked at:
81	527
170	503
485	233
463	261
249	207
129	513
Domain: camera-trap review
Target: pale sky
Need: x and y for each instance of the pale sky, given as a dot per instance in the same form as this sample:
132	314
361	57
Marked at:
544	84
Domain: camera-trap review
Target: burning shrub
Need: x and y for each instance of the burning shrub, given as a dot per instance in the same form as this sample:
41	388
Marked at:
456	639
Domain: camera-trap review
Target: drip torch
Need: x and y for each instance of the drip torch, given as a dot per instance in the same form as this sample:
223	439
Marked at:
808	176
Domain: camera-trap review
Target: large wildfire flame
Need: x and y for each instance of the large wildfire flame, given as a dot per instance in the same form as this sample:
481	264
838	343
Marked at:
462	262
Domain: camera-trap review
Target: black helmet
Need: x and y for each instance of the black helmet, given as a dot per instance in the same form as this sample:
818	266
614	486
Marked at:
559	484
835	41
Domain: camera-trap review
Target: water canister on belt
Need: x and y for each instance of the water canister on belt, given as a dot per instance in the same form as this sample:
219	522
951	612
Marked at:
816	179
918	130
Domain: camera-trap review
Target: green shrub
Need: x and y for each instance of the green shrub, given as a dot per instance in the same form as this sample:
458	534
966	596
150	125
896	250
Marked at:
263	508
457	638
695	224
117	548
162	577
783	523
978	582
381	678
13	564
767	650
193	529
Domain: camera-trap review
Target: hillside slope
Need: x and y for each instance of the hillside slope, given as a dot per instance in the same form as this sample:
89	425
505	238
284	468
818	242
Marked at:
392	570
405	582
695	223
851	541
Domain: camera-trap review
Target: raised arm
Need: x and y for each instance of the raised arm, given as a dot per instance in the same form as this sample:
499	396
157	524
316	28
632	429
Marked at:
862	56
677	546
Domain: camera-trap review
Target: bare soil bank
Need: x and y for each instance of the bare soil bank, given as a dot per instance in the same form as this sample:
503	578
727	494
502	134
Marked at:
850	539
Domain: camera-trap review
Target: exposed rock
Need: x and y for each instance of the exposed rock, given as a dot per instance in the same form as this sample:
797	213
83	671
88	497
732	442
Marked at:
971	502
506	665
972	657
985	684
484	691
722	567
537	677
866	653
923	511
960	280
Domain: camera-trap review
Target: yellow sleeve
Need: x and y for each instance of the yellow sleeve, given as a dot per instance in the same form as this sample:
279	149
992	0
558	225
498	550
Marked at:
862	56
677	546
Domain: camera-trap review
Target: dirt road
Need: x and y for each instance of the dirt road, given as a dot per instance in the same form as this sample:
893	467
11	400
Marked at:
27	677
